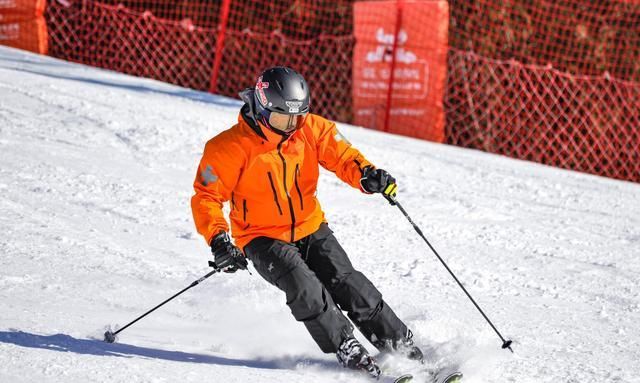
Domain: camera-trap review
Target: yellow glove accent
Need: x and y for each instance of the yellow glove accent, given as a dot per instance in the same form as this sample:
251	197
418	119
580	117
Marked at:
391	190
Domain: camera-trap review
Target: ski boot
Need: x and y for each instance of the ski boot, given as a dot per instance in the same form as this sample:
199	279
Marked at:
408	349
351	354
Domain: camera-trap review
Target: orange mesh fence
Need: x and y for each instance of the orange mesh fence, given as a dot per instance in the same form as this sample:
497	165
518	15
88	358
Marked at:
575	36
213	45
116	38
549	81
569	104
589	124
221	46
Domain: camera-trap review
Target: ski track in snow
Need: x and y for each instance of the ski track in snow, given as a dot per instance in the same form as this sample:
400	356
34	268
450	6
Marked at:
95	180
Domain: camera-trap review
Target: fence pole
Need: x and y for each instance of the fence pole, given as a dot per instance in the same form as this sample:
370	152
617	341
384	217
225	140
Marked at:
222	32
400	6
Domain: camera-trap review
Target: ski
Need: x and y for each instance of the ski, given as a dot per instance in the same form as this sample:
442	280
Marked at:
406	371
452	377
406	378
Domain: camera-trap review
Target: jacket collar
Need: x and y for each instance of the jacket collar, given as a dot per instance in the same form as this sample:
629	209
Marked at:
247	112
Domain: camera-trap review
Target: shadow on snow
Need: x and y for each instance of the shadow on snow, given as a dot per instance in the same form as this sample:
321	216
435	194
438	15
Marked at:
66	343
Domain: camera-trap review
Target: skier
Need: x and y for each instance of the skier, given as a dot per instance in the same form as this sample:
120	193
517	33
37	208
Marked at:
267	166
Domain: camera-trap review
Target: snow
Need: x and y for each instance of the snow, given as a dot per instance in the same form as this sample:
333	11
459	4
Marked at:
95	229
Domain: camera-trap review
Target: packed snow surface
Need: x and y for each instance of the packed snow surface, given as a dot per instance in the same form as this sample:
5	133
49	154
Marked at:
96	172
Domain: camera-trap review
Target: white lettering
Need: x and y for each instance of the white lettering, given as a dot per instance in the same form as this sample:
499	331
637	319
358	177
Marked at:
382	53
9	31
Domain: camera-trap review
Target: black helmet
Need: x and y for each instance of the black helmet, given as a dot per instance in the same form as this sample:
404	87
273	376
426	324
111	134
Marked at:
282	99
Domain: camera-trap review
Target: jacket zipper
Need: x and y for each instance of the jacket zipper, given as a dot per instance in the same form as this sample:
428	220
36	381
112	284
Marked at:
244	210
297	186
244	213
275	194
284	181
233	201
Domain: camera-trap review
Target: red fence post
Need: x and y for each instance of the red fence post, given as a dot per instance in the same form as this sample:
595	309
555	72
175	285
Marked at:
222	32
387	112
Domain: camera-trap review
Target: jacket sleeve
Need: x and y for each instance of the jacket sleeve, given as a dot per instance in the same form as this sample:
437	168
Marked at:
336	154
217	176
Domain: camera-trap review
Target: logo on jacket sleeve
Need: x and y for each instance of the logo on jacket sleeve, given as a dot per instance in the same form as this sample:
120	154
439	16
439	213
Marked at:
208	176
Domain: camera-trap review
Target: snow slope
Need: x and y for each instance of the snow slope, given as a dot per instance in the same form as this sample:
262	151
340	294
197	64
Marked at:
95	228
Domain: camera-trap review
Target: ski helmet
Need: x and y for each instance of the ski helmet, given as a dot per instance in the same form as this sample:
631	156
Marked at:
282	99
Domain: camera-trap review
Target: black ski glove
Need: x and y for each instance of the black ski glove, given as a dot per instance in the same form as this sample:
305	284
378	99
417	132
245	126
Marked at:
378	181
227	257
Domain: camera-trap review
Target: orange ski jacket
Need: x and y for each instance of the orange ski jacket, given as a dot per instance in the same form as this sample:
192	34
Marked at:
270	179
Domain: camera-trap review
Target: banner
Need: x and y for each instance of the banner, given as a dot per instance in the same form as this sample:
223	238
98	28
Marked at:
22	25
398	86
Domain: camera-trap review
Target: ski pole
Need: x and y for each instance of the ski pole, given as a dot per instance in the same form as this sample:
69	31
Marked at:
110	336
392	200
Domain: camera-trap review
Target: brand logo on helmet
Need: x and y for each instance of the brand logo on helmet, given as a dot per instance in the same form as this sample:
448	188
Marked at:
260	87
294	106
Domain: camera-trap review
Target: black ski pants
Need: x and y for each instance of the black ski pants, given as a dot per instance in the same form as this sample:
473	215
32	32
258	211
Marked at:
319	282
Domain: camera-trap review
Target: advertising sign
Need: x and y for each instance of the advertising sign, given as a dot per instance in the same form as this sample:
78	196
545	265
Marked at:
398	86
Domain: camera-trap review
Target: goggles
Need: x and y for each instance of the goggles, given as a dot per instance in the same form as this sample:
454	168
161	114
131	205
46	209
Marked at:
286	123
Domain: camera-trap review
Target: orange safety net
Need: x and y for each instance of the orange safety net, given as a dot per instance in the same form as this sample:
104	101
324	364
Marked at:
556	82
575	36
117	38
213	45
553	81
589	124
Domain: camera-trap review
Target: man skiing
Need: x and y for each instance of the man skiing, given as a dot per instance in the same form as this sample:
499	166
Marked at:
267	167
